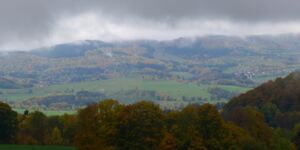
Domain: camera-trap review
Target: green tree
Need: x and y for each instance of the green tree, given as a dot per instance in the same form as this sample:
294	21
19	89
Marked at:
296	138
37	126
8	123
70	128
210	125
182	125
270	112
252	144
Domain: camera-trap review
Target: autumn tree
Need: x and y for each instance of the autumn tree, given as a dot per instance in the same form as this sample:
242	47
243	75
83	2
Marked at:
97	125
140	127
198	126
253	122
55	137
169	142
232	136
197	144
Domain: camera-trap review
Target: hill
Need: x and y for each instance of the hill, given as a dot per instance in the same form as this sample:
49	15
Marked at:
68	49
211	65
10	84
278	100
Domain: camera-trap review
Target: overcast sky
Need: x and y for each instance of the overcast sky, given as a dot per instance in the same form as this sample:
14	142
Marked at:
33	23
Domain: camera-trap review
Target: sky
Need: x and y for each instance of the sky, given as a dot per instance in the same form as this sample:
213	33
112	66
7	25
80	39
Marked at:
26	24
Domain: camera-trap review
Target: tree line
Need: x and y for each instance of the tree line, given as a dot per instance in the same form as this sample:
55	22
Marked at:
109	125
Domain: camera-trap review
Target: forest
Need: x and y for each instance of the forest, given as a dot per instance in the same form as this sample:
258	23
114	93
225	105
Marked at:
264	118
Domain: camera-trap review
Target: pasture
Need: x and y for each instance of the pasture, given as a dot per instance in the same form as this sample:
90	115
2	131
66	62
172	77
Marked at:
111	86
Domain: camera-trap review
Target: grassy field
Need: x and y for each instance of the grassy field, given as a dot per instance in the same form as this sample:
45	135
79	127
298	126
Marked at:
50	112
166	87
31	147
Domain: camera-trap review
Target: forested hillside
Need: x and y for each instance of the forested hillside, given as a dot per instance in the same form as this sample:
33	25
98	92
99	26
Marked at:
278	100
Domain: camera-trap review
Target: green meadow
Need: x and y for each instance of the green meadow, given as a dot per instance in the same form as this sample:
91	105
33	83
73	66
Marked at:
111	86
33	147
49	112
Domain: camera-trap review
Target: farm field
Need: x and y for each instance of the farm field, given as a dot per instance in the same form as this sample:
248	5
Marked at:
111	86
35	147
49	112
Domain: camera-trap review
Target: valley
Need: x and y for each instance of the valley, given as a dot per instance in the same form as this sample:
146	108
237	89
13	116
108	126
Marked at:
171	73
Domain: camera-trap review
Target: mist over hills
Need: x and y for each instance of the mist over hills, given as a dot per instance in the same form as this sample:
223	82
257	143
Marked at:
199	45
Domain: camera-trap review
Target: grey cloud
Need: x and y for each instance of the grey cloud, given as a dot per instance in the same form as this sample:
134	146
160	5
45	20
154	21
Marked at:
26	19
244	10
35	19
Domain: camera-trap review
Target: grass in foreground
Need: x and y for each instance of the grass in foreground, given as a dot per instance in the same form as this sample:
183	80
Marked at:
34	147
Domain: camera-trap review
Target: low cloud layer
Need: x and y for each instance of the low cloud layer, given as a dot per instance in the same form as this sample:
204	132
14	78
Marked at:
32	23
